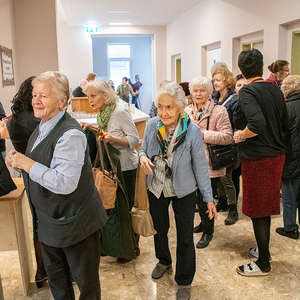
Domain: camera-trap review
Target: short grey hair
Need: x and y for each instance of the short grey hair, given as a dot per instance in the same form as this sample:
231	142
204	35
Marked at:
202	81
217	65
59	81
102	86
290	85
174	90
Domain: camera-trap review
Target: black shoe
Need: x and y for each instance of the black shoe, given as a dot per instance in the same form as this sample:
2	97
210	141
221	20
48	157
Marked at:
159	270
233	215
204	241
41	282
222	204
290	234
198	228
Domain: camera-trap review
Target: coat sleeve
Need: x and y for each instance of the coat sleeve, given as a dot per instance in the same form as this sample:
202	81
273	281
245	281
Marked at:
220	131
200	166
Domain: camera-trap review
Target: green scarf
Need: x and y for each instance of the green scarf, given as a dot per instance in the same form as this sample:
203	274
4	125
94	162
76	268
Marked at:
104	116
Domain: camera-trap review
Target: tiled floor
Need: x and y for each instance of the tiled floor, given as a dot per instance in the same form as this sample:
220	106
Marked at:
215	277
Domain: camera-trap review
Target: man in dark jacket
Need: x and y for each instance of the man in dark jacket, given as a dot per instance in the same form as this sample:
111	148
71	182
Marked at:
291	170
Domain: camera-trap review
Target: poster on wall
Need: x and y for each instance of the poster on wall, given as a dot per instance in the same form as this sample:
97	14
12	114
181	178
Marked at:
7	66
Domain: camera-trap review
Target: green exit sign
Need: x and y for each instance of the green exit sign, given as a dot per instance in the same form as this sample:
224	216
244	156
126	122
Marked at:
91	28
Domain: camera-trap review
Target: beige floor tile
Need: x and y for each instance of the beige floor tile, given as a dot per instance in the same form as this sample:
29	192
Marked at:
215	277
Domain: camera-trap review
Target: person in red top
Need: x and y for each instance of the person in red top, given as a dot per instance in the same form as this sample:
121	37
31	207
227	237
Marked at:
279	70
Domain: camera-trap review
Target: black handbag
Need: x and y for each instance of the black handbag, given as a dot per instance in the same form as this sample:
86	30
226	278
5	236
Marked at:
221	156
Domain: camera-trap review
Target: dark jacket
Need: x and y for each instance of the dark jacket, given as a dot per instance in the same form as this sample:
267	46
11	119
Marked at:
20	127
117	235
2	141
6	183
77	92
291	167
229	105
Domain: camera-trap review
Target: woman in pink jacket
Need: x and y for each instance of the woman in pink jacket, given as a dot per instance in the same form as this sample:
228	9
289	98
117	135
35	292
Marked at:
216	130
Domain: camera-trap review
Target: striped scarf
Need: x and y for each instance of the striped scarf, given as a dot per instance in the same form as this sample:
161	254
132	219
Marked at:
180	138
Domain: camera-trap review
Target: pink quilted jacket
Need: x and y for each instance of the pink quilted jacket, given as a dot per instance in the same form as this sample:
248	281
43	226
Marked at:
218	133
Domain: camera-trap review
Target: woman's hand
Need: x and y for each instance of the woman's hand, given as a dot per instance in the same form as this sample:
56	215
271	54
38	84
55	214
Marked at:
88	125
211	211
17	160
237	137
146	165
109	138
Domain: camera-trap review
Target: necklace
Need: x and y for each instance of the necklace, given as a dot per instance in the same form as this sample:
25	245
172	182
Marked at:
257	79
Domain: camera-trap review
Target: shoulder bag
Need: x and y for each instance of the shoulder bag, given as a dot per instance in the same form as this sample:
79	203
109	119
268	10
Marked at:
142	222
221	156
106	182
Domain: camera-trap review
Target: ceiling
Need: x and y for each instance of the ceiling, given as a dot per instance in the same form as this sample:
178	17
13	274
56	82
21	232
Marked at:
137	12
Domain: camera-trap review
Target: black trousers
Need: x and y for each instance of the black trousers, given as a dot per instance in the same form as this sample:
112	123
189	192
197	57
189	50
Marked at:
130	178
207	224
184	210
81	261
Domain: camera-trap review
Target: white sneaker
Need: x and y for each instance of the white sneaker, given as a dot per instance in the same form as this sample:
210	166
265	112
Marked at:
254	252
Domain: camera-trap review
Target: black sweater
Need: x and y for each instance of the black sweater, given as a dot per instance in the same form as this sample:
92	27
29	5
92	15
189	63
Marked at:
262	109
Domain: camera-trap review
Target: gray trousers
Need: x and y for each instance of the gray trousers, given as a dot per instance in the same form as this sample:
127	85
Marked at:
80	261
226	187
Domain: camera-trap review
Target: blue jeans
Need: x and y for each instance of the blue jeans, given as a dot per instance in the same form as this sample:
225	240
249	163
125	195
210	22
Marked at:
290	201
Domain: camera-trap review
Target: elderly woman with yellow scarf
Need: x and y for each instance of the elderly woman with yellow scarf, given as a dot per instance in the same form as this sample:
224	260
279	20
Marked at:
173	158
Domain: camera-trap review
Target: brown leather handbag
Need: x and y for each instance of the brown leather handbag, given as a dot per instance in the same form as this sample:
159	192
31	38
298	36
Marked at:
142	222
106	182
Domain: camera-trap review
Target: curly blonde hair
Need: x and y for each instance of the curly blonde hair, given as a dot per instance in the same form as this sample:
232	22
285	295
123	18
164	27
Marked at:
228	77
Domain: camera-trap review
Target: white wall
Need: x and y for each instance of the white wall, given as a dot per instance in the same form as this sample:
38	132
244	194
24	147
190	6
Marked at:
35	37
75	50
223	20
7	40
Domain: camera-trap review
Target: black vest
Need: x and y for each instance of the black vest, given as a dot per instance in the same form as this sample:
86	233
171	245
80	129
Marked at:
63	220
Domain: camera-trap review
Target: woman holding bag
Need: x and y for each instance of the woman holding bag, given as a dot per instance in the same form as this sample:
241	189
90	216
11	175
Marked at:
215	126
173	158
122	138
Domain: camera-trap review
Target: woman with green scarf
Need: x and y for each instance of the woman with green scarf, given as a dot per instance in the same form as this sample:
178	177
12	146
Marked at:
122	136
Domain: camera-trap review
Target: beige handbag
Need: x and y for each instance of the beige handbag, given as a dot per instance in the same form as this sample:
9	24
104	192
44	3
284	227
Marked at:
142	223
106	182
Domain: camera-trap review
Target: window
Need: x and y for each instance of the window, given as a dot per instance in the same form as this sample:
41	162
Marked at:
119	61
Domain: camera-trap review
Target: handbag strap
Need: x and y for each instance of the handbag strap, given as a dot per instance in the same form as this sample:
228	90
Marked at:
207	126
228	99
99	155
137	189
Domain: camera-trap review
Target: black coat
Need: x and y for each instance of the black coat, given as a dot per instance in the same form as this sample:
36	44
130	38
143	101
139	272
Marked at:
291	167
6	183
2	141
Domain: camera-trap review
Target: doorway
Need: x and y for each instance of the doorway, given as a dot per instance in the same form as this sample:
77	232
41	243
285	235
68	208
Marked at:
295	59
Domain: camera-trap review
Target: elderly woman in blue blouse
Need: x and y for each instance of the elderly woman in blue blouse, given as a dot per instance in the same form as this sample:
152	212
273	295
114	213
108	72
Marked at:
173	158
67	211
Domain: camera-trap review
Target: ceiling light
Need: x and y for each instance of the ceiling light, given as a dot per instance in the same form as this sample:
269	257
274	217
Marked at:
118	12
119	23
